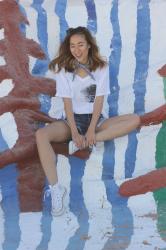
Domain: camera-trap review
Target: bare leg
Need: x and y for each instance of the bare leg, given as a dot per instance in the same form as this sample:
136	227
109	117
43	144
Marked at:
117	126
56	132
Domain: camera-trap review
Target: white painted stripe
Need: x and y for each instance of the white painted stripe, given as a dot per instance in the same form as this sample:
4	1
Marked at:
6	87
128	29
95	199
53	28
104	28
120	150
2	34
146	149
31	29
144	212
2	61
30	225
63	227
155	94
99	226
9	129
74	10
57	106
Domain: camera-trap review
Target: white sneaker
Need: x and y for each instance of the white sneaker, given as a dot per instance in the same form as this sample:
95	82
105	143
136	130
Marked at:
58	193
72	148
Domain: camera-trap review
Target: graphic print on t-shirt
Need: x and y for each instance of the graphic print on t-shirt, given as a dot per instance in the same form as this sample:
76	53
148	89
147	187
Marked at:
89	93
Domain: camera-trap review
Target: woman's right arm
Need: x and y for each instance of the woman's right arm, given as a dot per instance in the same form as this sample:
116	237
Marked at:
78	139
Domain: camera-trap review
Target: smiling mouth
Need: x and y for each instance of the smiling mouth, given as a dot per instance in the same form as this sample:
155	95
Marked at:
78	56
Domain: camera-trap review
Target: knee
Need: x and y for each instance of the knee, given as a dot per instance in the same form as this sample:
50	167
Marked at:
40	135
136	120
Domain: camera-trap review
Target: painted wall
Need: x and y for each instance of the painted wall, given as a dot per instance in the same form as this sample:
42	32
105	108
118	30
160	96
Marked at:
132	36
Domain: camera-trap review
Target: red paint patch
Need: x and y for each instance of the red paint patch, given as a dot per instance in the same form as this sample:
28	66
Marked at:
162	71
145	183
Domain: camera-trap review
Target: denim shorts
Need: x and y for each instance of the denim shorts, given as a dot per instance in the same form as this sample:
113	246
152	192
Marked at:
83	121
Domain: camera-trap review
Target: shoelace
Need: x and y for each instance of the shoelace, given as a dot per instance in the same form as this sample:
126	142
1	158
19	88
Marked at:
82	66
56	201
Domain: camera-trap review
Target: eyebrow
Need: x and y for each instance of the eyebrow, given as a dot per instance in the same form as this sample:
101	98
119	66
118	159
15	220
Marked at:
77	43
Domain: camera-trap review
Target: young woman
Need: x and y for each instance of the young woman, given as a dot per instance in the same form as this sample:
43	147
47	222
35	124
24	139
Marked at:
82	79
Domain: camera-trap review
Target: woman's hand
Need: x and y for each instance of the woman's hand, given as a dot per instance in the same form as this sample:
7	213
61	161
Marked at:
79	140
90	137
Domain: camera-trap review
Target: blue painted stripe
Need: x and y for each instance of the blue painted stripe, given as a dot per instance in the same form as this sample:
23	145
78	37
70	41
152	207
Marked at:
142	50
130	154
77	205
114	60
45	227
92	19
41	66
121	235
10	207
142	54
60	10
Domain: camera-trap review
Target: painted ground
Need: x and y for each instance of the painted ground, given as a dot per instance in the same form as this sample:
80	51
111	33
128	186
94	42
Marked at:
132	36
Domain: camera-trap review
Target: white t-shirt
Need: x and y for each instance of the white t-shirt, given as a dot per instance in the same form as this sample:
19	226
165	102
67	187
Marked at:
83	90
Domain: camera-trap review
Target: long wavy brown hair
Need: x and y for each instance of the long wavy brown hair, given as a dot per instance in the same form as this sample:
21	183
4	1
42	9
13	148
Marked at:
65	59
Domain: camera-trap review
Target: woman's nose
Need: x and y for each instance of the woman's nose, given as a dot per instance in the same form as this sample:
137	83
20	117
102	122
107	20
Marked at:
77	50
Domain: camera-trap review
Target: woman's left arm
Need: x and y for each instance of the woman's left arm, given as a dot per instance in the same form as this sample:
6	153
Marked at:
97	109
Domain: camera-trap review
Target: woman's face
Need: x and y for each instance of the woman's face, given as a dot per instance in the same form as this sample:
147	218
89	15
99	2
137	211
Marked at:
79	48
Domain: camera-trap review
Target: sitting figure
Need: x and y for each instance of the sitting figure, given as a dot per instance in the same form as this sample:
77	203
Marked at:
82	78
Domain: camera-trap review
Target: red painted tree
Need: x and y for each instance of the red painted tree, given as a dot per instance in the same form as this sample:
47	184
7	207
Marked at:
23	102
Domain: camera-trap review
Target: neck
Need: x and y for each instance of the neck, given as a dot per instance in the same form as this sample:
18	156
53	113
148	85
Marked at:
84	64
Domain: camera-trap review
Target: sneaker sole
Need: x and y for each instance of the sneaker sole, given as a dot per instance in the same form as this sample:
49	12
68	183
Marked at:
71	151
63	209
